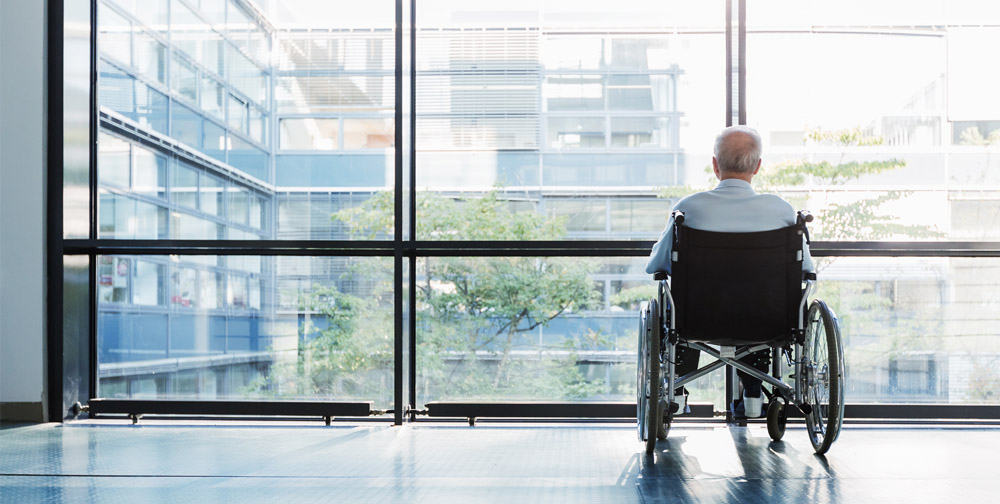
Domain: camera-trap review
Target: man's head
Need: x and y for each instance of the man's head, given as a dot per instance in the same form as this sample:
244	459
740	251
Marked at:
737	153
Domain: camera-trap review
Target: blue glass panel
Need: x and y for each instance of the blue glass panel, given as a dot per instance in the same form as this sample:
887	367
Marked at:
127	337
186	126
218	330
296	170
151	108
248	158
214	141
117	90
182	334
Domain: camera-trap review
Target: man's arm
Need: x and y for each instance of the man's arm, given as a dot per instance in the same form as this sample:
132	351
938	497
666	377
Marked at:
659	257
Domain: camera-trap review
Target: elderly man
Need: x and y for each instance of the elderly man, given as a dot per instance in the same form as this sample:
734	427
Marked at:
734	207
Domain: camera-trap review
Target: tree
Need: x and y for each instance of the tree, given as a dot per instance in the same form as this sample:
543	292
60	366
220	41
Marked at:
475	315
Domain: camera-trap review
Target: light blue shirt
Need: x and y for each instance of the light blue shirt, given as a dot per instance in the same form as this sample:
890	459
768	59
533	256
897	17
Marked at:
732	207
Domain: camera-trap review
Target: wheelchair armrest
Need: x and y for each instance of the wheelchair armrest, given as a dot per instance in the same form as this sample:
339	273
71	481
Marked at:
660	275
808	275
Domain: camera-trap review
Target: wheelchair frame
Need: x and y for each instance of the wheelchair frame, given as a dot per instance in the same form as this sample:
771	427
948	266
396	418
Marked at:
811	377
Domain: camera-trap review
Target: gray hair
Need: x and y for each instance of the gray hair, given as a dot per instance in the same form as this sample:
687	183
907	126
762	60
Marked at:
738	155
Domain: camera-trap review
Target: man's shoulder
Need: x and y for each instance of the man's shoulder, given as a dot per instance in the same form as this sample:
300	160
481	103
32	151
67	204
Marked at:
775	200
693	200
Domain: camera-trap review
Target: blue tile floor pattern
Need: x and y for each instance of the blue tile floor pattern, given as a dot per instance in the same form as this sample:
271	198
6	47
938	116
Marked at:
493	462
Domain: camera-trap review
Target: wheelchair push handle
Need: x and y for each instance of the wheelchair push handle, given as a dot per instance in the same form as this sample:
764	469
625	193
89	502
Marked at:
678	217
803	217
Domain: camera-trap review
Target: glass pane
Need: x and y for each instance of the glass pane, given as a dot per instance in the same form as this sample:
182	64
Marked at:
909	122
184	79
641	132
151	108
639	216
76	137
576	132
238	327
186	126
334	93
184	189
574	92
237	114
150	173
238	206
247	76
212	94
210	195
309	134
246	157
153	13
332	83
258	125
113	159
150	57
374	133
114	37
213	141
528	328
526	103
126	218
916	329
191	34
76	330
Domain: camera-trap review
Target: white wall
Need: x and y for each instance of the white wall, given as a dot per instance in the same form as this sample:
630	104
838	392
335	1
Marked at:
22	201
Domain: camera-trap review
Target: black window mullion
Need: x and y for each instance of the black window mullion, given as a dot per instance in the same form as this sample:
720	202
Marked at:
398	346
54	165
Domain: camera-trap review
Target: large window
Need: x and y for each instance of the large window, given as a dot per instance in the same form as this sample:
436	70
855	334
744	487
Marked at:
292	200
567	111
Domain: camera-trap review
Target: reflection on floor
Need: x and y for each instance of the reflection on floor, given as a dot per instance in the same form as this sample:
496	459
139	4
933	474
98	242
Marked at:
492	462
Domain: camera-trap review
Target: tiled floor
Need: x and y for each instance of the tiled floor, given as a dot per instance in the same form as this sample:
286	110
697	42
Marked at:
508	463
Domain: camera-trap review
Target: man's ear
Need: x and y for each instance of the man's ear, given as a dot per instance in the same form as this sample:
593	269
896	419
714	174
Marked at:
757	169
715	168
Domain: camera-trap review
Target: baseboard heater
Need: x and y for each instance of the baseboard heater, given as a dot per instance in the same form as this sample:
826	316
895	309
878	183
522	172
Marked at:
135	409
474	410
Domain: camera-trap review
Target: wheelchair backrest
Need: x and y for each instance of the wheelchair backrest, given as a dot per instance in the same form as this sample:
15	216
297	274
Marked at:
737	288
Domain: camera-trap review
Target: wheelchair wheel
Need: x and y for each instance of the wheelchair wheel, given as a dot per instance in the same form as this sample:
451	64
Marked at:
642	362
823	376
666	414
648	412
776	419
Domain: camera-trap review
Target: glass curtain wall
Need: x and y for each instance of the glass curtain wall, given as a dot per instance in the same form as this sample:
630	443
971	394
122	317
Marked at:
225	121
551	121
877	120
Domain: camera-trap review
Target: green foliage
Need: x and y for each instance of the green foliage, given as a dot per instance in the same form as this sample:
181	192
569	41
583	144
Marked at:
984	380
802	182
632	297
345	353
477	317
972	136
478	310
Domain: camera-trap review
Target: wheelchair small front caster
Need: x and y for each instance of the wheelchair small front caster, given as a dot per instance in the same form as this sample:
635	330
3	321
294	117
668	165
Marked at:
776	419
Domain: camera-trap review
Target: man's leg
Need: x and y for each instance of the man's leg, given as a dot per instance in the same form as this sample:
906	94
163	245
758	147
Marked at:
687	362
753	396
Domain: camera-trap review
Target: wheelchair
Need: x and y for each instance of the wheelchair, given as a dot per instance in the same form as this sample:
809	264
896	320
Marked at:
734	295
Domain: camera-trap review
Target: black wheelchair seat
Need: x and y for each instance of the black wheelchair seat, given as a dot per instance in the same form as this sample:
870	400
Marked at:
737	288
